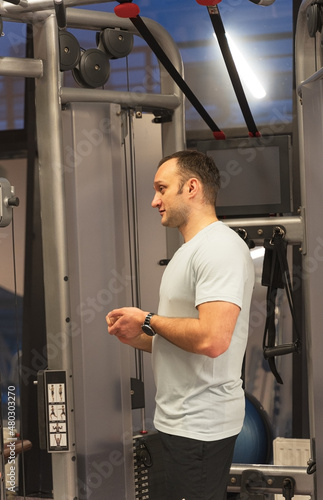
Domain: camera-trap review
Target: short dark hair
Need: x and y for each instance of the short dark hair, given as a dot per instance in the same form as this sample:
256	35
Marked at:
191	162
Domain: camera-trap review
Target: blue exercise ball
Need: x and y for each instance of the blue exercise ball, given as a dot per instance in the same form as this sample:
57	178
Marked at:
254	443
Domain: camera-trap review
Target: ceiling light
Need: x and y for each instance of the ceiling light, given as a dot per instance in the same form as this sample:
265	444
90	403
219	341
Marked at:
245	72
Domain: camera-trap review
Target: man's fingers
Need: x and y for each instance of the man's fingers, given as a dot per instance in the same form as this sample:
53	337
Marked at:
111	320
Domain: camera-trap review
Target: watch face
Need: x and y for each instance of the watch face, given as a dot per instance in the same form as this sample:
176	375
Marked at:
148	330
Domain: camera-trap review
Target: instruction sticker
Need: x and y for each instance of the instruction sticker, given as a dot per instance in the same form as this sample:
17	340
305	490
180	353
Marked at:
56	408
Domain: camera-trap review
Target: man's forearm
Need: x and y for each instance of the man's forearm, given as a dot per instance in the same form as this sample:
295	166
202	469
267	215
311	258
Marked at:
183	332
142	342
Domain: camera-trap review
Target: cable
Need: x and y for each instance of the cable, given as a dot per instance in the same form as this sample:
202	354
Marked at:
133	250
131	11
219	31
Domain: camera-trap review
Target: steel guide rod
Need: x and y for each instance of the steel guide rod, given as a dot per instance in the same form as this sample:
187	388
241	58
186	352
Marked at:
69	94
24	67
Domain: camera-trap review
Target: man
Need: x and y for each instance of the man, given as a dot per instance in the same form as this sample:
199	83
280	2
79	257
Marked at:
198	338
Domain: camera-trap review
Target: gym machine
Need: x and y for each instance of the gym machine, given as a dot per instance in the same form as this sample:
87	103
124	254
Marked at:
80	137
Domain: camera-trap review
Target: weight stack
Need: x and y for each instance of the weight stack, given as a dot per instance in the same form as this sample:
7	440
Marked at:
148	467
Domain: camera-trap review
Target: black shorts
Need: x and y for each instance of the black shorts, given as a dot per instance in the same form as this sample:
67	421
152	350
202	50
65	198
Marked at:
196	470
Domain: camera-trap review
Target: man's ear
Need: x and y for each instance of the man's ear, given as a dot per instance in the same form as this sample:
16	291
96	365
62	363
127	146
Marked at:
193	186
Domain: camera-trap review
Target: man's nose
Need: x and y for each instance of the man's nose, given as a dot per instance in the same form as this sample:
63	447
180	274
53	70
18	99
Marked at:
156	201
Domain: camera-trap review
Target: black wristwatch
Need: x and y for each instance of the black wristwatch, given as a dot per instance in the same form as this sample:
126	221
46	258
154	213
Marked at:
146	328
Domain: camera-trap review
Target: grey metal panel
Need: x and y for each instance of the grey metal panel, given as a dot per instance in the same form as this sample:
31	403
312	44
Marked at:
313	262
100	280
49	138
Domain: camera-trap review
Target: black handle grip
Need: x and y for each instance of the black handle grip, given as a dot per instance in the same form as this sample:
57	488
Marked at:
280	350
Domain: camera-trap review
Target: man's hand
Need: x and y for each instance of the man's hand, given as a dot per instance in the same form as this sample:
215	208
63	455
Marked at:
125	324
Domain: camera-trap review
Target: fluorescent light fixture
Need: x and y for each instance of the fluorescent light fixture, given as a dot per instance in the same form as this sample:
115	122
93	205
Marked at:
245	72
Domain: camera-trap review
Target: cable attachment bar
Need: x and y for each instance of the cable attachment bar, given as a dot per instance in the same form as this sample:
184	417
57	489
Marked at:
276	275
219	31
132	11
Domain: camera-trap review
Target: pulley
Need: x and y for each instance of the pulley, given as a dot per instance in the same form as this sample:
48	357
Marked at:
115	43
69	50
314	19
93	69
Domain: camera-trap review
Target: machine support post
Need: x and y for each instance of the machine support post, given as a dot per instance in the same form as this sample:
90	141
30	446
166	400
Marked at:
54	237
309	113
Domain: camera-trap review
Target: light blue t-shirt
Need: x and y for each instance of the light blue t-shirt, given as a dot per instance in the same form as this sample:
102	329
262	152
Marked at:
197	396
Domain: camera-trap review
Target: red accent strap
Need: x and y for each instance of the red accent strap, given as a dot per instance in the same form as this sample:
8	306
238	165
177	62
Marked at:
208	3
219	135
256	134
127	10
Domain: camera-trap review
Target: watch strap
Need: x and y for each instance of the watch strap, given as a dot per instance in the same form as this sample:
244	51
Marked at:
148	318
